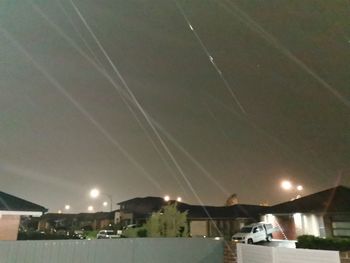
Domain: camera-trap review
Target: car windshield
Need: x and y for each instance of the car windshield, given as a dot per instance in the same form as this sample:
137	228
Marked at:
246	230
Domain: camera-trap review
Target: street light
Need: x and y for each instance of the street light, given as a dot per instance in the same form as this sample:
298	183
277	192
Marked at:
90	208
67	207
300	188
166	198
59	211
179	199
286	185
105	204
94	193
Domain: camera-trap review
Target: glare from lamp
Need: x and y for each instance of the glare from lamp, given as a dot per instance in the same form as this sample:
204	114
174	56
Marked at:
286	185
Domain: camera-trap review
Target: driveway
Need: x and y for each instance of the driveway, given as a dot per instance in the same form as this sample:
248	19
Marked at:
279	243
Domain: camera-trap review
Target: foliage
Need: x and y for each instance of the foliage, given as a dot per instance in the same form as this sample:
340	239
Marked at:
36	235
91	234
169	222
135	232
312	242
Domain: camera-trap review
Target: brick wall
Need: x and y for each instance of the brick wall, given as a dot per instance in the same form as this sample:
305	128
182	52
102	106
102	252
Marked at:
9	227
230	252
345	257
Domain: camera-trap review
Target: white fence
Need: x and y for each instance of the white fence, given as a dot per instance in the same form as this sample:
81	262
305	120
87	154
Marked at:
125	250
261	254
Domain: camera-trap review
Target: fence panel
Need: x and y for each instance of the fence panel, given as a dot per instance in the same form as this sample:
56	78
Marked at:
287	255
254	254
128	250
261	254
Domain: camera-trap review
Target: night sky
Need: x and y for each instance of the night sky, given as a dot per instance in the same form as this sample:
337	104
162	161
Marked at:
64	128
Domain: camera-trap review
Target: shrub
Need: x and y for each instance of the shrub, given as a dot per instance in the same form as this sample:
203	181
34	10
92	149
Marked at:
35	235
169	222
312	242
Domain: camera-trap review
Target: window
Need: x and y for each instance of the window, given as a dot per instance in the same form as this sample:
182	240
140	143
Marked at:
341	229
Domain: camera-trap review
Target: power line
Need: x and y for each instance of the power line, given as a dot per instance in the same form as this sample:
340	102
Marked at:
80	108
257	28
210	57
146	116
138	121
127	96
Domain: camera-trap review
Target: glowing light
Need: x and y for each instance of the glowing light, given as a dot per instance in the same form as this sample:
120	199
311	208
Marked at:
90	208
179	199
105	204
286	185
166	198
94	193
300	188
67	207
59	211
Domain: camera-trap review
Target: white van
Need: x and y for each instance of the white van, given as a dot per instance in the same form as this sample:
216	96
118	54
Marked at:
254	233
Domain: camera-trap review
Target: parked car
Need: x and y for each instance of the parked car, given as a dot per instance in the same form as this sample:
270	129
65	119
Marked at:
79	234
254	233
106	234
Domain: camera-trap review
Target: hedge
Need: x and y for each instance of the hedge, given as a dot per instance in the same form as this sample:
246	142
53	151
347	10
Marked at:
312	242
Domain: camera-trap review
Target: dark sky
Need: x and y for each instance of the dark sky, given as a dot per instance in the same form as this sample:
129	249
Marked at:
63	124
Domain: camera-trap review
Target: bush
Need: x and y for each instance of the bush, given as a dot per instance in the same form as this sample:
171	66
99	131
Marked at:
135	232
312	242
169	222
35	235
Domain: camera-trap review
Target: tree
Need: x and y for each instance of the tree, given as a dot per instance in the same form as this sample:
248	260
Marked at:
232	200
168	222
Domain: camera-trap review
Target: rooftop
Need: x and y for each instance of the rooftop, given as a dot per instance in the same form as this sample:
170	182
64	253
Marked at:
12	203
333	200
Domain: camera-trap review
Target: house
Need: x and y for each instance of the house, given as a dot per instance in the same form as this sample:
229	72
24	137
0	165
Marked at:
202	220
89	221
12	208
323	214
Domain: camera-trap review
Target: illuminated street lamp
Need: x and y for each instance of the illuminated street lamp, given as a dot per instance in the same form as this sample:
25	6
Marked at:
166	198
179	199
59	211
90	208
67	207
300	188
95	193
286	185
105	204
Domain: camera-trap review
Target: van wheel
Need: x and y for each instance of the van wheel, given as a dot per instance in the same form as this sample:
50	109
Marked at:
269	238
250	241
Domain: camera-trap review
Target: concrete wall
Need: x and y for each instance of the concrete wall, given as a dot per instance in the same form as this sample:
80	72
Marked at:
126	250
9	225
199	228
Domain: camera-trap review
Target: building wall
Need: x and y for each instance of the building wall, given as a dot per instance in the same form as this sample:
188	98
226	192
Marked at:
9	225
126	218
293	225
199	228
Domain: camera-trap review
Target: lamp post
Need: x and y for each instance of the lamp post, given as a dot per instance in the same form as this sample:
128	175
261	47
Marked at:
95	193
